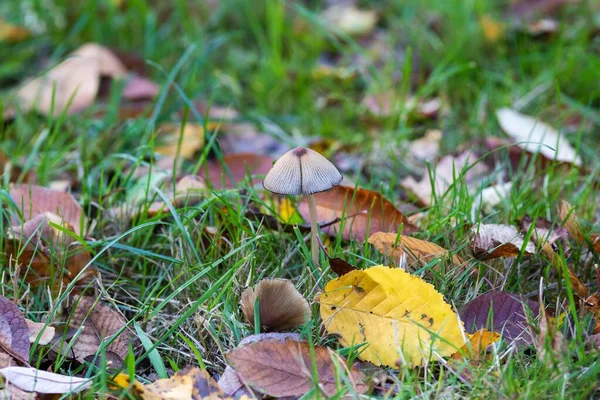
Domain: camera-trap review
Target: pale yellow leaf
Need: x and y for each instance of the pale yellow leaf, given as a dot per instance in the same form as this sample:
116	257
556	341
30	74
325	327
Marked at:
402	318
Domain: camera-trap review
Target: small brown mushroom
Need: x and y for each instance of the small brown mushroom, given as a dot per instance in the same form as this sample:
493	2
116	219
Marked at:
303	171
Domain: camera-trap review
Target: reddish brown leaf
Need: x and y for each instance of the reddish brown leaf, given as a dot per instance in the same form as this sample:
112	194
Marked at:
340	267
362	211
14	334
280	365
494	241
44	252
33	200
100	324
501	312
139	88
239	165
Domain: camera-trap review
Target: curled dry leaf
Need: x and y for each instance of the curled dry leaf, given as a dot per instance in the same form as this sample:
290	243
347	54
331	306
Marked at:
494	241
566	214
500	312
361	211
445	173
100	324
550	341
188	384
40	332
235	168
341	267
535	136
14	334
33	200
169	134
416	251
45	252
403	319
281	365
231	385
38	381
280	304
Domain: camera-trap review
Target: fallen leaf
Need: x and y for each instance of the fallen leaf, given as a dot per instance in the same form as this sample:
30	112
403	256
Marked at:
361	211
544	26
535	136
38	381
235	168
403	319
138	88
341	267
427	147
12	33
445	173
281	365
416	251
169	134
280	304
33	200
188	384
40	332
500	312
550	342
494	241
14	334
566	214
478	342
231	385
492	196
350	20
100	323
545	231
525	9
73	84
44	252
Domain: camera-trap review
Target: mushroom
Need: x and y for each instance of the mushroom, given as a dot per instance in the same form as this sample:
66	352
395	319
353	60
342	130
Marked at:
304	172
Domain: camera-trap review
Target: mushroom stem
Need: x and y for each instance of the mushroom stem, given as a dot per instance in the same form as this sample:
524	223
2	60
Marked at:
314	230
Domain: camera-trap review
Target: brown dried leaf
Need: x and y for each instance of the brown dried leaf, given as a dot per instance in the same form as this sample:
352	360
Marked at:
231	385
447	170
426	147
40	332
139	88
500	312
416	251
32	200
566	213
239	166
100	324
494	241
45	252
362	211
281	366
281	306
168	136
14	335
547	232
340	267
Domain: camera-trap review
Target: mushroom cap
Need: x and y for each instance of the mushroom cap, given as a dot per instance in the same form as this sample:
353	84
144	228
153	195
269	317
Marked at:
302	171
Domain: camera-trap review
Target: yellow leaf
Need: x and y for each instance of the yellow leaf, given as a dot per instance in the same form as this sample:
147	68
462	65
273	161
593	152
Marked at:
168	139
477	344
188	384
401	317
492	29
417	252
